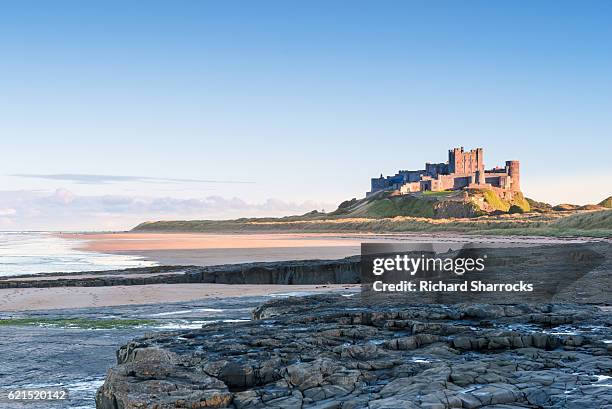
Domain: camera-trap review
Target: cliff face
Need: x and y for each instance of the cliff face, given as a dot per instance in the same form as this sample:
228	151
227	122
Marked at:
343	271
456	209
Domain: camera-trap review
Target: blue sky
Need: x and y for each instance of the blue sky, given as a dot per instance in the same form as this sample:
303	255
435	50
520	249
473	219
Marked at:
276	107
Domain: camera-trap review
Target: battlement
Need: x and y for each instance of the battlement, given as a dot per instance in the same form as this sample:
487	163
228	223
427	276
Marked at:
463	170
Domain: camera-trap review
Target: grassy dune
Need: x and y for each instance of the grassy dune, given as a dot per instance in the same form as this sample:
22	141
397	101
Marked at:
393	206
586	221
474	211
607	202
592	223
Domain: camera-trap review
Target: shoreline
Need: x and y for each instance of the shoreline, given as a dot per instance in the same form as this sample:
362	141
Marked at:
147	241
196	249
212	249
32	299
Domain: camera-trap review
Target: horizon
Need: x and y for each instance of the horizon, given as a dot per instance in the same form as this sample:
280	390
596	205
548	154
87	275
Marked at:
116	114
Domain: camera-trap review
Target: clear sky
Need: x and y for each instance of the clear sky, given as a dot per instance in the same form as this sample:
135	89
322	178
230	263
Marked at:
202	109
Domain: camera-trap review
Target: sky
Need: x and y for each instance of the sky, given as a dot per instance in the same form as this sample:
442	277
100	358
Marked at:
112	113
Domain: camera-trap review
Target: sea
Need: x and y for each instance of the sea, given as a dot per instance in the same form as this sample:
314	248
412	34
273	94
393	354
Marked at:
52	353
45	252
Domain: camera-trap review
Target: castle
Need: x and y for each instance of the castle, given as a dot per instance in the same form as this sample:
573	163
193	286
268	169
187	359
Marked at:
464	170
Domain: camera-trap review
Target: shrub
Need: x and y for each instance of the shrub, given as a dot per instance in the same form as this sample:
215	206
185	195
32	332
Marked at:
515	209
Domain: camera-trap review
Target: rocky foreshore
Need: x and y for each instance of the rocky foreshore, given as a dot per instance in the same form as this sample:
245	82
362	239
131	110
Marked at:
333	351
342	271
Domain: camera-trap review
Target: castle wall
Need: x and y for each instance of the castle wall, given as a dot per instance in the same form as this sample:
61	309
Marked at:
410	187
378	184
448	182
461	182
435	169
492	180
501	180
412	175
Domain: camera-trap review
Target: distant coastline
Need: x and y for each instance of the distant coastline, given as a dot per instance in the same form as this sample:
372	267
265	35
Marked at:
585	223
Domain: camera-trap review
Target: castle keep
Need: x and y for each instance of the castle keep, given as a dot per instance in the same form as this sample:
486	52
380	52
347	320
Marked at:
463	170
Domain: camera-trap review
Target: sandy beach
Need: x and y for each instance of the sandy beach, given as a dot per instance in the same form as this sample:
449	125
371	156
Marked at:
127	241
178	249
27	299
204	249
197	249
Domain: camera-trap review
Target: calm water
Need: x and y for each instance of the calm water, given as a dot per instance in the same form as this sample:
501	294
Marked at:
41	252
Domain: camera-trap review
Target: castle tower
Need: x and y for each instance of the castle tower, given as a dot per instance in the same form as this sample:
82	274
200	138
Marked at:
465	162
455	160
512	168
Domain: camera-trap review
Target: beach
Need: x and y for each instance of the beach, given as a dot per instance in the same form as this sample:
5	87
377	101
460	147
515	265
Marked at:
134	241
92	250
213	249
151	249
206	249
28	299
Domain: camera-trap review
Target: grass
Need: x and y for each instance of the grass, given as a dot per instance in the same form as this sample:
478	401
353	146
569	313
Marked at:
401	206
607	202
386	213
438	193
496	202
520	201
82	323
593	224
600	220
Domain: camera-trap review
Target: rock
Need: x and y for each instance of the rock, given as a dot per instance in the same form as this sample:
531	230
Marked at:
342	271
463	343
493	394
328	351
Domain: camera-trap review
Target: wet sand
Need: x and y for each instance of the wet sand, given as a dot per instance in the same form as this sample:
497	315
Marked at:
26	299
212	257
213	249
204	249
111	242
